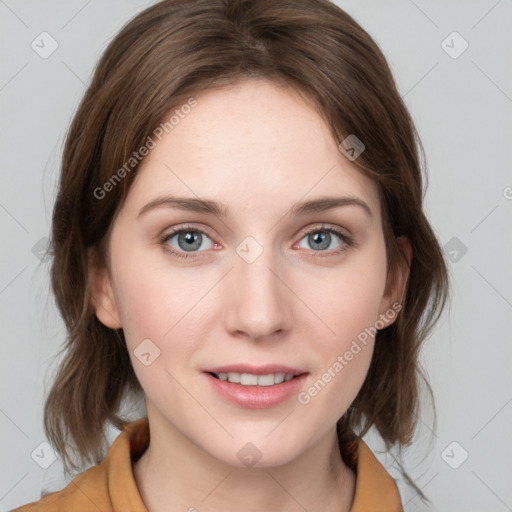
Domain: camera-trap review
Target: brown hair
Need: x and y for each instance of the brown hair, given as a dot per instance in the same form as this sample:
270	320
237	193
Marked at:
160	58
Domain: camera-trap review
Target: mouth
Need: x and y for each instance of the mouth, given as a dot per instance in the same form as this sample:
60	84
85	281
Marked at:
253	387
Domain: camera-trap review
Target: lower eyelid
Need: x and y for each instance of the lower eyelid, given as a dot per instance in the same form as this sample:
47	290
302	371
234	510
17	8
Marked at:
347	241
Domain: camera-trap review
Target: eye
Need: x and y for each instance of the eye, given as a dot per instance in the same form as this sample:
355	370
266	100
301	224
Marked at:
186	240
323	239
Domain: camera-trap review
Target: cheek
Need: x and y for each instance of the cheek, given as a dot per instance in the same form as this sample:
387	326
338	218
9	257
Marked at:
154	298
348	300
153	308
163	305
348	304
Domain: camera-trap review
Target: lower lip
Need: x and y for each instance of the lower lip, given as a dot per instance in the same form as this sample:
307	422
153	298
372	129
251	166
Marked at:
257	397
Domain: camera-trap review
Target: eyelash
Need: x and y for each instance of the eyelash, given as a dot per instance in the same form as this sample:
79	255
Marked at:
347	240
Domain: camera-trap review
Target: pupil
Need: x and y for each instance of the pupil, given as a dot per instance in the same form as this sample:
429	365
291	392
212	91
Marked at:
322	239
192	241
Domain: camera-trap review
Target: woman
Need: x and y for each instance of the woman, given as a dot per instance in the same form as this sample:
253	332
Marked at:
239	236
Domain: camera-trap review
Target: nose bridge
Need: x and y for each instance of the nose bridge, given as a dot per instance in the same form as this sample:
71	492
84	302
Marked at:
258	305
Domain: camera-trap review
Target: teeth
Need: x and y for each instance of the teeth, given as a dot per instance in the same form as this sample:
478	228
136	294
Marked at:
279	377
248	379
266	380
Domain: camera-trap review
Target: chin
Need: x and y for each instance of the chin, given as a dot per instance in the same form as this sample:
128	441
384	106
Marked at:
257	452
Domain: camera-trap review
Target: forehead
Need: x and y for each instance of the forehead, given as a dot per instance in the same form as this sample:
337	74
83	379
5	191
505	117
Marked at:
255	146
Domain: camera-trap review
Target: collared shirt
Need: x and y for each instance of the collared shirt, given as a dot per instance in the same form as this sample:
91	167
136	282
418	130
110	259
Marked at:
110	485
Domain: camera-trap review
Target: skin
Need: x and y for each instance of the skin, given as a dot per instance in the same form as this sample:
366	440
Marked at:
258	148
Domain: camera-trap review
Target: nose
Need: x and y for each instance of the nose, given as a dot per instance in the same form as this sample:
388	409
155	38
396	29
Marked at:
259	305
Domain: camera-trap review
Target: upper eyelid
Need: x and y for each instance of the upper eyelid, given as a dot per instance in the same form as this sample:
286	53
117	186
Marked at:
303	232
180	229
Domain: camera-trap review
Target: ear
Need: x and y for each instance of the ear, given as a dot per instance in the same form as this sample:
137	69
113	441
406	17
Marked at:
396	284
102	294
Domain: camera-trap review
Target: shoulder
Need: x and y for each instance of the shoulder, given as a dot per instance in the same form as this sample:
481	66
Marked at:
108	486
86	490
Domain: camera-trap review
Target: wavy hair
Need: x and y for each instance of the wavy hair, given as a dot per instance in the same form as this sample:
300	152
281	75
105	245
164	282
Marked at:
161	57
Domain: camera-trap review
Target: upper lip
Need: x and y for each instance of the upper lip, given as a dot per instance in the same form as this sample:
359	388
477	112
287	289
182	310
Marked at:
255	370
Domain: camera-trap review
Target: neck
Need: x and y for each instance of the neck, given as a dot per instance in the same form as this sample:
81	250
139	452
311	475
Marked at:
174	474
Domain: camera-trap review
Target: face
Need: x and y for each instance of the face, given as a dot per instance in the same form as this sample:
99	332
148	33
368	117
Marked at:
286	275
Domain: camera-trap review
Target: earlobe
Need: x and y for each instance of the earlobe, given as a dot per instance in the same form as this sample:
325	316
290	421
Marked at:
396	285
102	295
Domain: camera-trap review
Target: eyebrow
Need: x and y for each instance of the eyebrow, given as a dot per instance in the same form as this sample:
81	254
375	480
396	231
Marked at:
209	207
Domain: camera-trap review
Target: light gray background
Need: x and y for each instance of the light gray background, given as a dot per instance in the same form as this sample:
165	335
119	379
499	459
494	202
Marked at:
462	107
